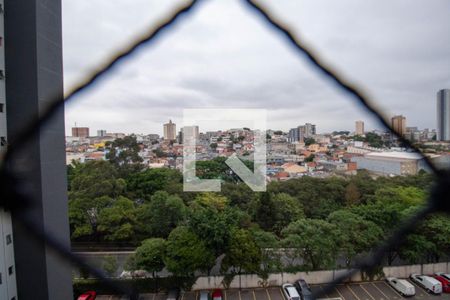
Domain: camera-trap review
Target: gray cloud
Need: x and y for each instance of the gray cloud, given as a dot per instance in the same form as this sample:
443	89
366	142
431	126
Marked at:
223	56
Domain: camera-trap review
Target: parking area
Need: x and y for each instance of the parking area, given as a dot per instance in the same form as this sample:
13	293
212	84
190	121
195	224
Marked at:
377	290
271	293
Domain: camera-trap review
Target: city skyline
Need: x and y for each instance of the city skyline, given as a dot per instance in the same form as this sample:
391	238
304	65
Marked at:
173	132
204	63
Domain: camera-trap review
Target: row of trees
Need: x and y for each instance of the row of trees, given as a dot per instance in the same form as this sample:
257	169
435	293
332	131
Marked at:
306	223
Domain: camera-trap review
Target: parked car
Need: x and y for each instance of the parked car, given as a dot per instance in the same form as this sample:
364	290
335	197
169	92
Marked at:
89	295
303	289
135	274
173	294
402	286
290	292
217	295
444	281
430	284
446	276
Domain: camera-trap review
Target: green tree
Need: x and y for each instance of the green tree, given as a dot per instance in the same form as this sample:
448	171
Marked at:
319	197
218	169
142	185
150	255
309	141
352	195
187	253
124	154
437	230
118	221
161	215
243	254
213	220
287	210
373	139
356	235
239	194
310	158
269	245
93	187
84	215
313	241
95	179
417	248
110	265
404	196
265	214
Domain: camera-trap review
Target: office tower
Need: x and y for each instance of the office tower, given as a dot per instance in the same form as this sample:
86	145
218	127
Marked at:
170	131
34	73
82	132
443	115
398	123
359	128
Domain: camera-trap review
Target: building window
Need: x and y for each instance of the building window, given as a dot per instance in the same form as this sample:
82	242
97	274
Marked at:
8	239
2	107
1	281
10	270
2	141
2	75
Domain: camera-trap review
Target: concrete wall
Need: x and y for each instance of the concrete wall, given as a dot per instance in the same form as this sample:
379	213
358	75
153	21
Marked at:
405	271
316	277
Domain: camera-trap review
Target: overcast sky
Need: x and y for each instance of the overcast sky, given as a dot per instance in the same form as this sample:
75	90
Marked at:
223	56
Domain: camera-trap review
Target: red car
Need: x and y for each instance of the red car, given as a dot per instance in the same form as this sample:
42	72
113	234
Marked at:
444	281
217	295
90	295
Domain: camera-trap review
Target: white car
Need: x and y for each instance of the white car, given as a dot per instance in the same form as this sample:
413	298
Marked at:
290	292
402	286
446	276
430	284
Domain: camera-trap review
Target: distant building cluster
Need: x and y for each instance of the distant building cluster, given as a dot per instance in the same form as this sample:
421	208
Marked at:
301	151
300	133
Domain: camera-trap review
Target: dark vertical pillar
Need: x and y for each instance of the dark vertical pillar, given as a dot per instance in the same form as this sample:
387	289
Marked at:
34	74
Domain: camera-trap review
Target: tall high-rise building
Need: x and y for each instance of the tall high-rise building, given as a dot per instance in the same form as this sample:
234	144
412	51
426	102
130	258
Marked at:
301	132
359	127
82	132
293	135
170	131
310	129
34	74
443	115
101	132
399	124
8	289
188	132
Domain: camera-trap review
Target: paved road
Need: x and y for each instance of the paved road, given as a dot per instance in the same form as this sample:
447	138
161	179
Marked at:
377	290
